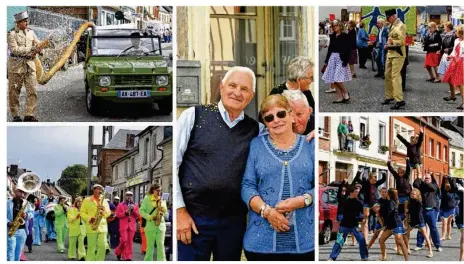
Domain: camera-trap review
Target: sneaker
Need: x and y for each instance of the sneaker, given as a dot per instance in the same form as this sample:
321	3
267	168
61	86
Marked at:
330	90
330	259
440	249
417	249
61	250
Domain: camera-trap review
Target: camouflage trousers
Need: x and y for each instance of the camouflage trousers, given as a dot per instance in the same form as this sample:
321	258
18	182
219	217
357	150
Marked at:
15	83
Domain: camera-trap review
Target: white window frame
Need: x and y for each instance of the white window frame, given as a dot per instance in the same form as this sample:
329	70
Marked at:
437	152
406	132
126	167
132	159
153	147
431	145
282	27
382	134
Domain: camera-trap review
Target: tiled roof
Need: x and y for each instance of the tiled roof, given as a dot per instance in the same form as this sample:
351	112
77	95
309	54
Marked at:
119	140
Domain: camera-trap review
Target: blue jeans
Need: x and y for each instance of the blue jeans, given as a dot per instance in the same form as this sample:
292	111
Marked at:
430	217
220	236
50	229
15	245
341	237
37	235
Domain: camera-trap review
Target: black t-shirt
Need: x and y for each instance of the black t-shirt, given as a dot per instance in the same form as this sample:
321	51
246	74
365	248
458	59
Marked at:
352	213
17	205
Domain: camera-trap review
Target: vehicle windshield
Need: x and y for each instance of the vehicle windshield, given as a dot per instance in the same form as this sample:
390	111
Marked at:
115	43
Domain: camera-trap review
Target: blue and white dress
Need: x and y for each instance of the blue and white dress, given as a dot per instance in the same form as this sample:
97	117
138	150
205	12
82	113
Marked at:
339	51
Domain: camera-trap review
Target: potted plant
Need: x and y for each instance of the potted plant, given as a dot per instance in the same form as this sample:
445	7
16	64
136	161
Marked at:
353	136
383	149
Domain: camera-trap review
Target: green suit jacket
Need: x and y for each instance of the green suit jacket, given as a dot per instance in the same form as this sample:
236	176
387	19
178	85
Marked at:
60	216
147	206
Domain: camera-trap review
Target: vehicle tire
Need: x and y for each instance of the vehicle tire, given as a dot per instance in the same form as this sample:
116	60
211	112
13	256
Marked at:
92	102
165	106
326	234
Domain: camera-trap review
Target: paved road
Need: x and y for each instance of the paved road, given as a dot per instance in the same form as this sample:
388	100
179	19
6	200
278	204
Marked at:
351	253
63	100
367	92
47	251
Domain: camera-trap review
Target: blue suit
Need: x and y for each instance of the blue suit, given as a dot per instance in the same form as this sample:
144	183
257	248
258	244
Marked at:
381	53
39	224
16	242
49	224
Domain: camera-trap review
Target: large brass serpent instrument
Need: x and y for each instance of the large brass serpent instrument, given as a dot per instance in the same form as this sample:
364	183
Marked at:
44	77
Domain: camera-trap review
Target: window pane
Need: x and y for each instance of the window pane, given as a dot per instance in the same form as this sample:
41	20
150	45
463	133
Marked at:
233	10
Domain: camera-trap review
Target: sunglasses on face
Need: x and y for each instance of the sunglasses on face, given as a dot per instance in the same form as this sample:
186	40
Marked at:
280	114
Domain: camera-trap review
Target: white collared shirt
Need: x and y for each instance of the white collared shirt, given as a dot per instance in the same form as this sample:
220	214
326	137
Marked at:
185	125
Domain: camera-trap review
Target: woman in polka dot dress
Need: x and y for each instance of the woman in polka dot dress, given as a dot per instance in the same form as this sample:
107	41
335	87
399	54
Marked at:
454	75
336	62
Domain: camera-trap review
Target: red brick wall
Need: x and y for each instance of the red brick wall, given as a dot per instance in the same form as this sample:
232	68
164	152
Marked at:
430	164
107	156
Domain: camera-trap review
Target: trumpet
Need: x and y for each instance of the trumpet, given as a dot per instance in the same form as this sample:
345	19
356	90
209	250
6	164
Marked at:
28	182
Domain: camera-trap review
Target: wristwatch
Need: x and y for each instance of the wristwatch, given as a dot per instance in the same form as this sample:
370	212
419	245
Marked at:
308	200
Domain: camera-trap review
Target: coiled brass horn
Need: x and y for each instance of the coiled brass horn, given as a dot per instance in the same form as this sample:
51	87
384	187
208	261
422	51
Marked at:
44	77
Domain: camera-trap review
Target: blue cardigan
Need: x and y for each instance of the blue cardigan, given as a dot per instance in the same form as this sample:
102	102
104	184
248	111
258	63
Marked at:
264	175
9	213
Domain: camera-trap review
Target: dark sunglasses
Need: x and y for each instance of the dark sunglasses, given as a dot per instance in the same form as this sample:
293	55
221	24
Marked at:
280	114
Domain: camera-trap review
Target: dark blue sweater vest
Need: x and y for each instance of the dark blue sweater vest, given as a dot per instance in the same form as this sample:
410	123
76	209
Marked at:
213	165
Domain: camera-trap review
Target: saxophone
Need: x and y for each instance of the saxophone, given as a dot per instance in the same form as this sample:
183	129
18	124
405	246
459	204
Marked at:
44	77
98	217
18	221
28	182
159	213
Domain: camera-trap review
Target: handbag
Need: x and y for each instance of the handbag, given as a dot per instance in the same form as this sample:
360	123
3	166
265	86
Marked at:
444	63
144	221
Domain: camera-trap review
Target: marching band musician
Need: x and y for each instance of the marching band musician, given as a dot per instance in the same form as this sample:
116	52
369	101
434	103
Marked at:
50	234
39	223
60	223
128	213
113	224
76	231
23	45
16	242
152	205
93	207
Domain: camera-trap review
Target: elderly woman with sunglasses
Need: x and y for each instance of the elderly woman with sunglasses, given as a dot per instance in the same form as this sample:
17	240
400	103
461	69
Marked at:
278	189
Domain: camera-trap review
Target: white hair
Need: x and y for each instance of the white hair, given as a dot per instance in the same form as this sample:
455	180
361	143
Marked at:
298	68
295	96
240	69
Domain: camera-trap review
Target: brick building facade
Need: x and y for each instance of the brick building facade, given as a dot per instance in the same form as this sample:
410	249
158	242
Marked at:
434	149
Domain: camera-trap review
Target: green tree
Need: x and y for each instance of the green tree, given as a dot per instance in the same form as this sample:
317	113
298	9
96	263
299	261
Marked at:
74	179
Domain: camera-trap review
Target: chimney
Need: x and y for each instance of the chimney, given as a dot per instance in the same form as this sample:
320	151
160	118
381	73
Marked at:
48	182
13	169
130	141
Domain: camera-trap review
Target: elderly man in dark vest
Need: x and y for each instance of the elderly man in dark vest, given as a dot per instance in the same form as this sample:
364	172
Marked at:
212	149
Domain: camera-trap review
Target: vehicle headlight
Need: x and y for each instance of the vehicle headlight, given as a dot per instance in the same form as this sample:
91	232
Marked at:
104	81
161	80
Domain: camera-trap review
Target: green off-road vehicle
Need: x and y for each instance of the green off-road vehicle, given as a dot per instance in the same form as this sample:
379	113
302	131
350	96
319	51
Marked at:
126	66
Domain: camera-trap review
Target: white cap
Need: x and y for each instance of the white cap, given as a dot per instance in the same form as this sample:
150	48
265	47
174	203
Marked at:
116	198
98	186
21	16
129	193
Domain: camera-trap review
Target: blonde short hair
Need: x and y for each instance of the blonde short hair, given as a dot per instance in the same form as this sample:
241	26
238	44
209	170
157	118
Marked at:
275	100
433	25
78	199
460	30
449	25
381	21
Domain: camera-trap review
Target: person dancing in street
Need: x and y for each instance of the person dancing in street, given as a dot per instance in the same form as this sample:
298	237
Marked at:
393	225
413	151
352	215
432	46
76	231
454	74
336	62
370	194
447	205
416	220
460	218
380	209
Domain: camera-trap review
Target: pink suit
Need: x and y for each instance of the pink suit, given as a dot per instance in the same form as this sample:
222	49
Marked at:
127	228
